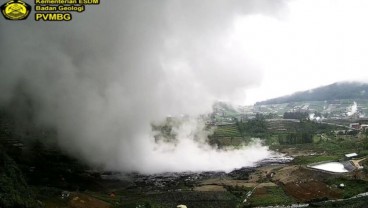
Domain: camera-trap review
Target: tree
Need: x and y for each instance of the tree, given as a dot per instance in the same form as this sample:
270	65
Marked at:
14	191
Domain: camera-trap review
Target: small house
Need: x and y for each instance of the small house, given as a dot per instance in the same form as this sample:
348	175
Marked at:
354	126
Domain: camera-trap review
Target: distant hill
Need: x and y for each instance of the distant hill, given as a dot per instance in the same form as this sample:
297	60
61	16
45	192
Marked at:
224	107
336	91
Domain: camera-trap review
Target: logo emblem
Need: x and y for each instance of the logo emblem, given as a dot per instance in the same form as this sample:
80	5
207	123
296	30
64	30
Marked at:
15	10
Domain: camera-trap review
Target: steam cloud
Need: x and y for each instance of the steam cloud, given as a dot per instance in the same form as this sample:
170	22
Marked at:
352	109
102	78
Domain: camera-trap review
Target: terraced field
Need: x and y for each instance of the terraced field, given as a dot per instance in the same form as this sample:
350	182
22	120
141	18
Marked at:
227	131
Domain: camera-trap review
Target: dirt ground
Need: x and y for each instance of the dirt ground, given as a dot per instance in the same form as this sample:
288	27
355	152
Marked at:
231	182
301	183
263	172
304	184
84	201
294	152
289	174
296	173
306	191
209	188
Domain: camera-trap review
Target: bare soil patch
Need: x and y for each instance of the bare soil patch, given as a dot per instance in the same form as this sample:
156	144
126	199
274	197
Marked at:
240	183
78	200
209	188
311	190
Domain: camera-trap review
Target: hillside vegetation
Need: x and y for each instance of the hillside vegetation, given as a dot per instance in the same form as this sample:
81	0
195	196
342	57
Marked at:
336	91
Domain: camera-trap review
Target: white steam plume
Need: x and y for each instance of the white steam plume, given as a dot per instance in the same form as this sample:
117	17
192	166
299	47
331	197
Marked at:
102	78
352	109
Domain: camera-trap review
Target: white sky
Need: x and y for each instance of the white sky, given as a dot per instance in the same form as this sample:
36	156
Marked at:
313	43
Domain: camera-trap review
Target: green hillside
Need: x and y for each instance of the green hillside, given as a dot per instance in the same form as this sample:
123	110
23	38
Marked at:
336	91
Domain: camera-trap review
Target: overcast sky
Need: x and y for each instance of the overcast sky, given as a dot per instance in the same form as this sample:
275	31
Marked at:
309	44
